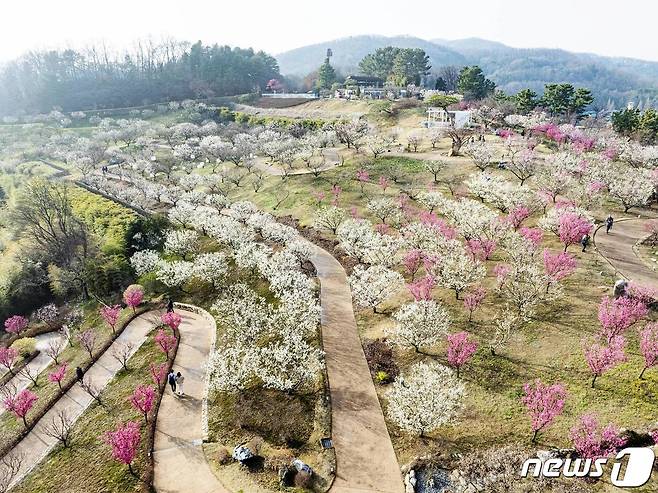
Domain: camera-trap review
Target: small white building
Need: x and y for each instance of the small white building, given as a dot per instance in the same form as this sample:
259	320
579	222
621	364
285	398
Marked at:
438	117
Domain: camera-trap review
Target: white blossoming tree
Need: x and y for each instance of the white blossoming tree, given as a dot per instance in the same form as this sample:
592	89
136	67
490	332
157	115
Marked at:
424	398
420	324
371	286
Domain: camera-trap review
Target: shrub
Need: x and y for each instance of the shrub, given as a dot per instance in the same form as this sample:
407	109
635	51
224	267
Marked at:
304	480
25	346
255	445
224	456
382	377
380	359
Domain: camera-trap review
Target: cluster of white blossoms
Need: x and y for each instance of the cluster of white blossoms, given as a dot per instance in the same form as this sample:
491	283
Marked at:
263	344
425	397
420	324
358	239
499	192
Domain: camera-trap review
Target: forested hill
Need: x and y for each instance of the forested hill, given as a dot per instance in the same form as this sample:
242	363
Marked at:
617	79
75	80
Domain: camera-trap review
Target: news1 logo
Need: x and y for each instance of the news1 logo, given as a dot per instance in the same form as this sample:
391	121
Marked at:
638	467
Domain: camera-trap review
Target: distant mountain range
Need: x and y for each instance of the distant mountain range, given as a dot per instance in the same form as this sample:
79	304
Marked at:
612	79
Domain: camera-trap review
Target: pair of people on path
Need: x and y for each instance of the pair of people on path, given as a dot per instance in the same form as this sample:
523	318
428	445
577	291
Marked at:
608	224
176	381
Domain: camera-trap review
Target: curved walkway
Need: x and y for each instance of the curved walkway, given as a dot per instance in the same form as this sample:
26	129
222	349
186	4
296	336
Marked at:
20	381
180	464
617	248
36	445
365	459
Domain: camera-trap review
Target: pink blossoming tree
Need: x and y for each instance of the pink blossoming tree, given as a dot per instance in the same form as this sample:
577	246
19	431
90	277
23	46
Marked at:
111	315
422	289
363	177
481	249
172	319
572	227
649	346
544	403
8	357
16	324
461	349
124	442
88	341
158	373
533	235
603	357
473	299
592	441
58	374
142	399
165	341
617	315
133	296
21	403
557	266
412	261
517	215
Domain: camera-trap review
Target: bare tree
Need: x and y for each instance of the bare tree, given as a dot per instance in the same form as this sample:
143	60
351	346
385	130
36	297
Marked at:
10	466
122	353
60	428
54	348
93	390
32	374
450	74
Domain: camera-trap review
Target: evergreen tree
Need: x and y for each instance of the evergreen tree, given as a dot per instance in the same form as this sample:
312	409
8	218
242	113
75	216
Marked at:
526	101
626	121
473	84
326	75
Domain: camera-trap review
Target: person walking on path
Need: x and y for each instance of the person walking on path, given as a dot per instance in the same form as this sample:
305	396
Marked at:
608	224
79	374
171	379
180	379
584	241
170	306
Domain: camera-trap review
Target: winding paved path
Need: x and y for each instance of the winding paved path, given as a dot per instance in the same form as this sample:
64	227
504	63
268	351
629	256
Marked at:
365	458
36	445
180	464
618	249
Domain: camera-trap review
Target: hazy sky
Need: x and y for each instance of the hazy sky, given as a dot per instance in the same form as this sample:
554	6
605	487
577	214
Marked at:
625	28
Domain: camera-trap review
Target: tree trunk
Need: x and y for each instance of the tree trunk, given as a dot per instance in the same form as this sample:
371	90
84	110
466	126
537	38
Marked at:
594	380
642	373
534	436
